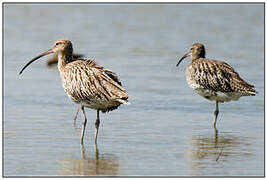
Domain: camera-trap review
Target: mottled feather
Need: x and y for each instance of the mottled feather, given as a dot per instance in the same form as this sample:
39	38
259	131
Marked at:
94	86
219	76
213	79
86	83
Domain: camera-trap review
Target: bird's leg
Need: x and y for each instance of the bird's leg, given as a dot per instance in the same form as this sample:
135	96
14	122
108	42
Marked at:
83	124
215	137
96	152
83	152
75	117
216	112
97	123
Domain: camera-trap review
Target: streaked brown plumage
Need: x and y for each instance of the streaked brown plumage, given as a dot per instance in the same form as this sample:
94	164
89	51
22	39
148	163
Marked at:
111	75
53	60
214	80
86	83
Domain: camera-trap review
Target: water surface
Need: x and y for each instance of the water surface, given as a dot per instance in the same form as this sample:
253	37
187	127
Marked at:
167	129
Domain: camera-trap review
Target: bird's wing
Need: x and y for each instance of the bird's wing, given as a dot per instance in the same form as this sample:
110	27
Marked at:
236	82
219	76
113	76
91	81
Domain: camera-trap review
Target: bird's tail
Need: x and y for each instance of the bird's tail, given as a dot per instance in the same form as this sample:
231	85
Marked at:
250	89
253	93
124	99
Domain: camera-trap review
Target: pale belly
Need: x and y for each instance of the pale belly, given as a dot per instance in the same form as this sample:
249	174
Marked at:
92	103
217	96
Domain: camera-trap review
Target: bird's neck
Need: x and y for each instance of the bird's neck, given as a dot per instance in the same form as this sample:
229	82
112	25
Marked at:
198	54
63	60
195	57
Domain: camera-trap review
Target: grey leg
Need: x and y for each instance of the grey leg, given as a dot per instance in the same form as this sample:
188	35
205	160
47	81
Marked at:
97	123
75	117
96	152
83	124
216	112
215	137
83	155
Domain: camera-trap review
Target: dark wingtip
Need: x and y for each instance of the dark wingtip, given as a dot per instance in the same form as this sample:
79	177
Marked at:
253	92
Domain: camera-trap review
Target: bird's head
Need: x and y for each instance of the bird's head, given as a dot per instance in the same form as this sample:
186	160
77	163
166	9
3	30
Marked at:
62	46
197	51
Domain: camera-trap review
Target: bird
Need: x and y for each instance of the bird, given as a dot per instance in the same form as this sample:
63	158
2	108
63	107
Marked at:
214	80
86	83
53	60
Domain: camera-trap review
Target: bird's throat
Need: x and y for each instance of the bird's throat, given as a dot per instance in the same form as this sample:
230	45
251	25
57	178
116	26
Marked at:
63	60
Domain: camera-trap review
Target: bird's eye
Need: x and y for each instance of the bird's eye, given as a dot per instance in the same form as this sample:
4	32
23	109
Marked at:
57	43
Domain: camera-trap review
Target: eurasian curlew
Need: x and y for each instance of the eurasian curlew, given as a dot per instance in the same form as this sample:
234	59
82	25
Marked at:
214	80
86	83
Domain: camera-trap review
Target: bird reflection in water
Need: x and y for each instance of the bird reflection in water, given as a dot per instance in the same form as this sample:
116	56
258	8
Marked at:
90	166
209	151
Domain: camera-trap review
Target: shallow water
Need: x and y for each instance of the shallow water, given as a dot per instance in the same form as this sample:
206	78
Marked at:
167	129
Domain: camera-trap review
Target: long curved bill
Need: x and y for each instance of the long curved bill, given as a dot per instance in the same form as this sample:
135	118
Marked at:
34	59
186	55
